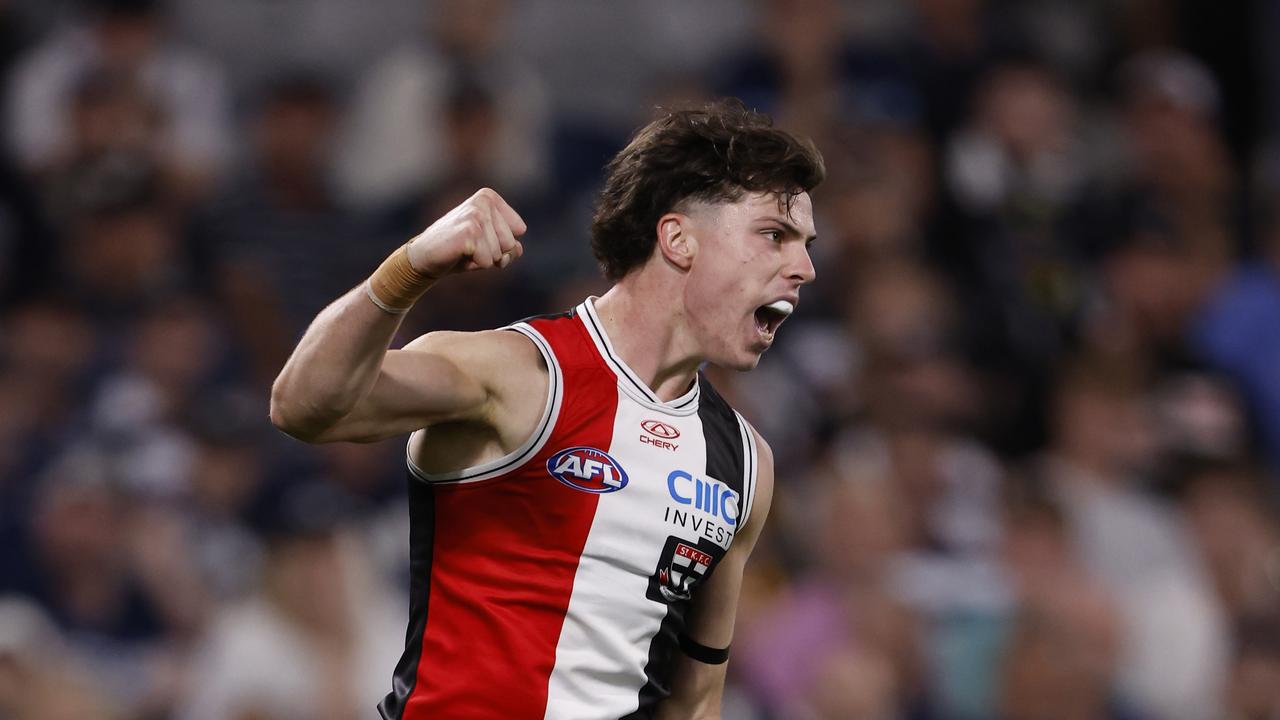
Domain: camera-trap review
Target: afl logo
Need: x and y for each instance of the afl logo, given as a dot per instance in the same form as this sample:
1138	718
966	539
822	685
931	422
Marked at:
660	429
587	469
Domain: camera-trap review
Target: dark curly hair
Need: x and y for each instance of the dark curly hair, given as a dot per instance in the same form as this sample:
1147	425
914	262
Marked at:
715	153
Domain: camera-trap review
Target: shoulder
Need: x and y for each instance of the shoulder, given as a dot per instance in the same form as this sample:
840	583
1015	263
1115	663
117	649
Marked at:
488	350
482	342
762	493
764	462
765	456
753	453
505	362
728	417
762	498
721	407
764	453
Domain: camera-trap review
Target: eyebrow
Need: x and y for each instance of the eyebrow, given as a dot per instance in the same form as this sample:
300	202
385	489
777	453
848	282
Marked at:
792	229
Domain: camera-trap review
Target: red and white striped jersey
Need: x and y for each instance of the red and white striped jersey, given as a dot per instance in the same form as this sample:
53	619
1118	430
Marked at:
553	582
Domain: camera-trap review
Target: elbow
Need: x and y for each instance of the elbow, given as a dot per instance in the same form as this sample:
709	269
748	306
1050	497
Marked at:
284	420
298	418
289	420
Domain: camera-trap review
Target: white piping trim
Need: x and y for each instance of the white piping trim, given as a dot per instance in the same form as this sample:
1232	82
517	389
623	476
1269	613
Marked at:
519	456
750	467
628	381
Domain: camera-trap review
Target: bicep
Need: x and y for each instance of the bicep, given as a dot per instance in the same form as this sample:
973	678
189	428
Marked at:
436	378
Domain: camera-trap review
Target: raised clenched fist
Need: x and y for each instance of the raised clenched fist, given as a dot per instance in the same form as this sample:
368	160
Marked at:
480	233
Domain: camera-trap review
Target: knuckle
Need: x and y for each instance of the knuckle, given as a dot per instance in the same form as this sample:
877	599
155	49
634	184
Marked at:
472	225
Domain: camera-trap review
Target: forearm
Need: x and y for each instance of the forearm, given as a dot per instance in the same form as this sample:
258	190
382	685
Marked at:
334	366
697	692
339	360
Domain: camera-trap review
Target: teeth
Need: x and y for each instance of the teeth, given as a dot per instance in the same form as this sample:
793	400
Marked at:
781	306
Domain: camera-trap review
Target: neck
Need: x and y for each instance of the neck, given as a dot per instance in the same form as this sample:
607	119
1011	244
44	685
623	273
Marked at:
650	337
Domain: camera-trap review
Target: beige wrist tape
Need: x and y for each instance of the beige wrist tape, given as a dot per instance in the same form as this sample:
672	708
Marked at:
395	286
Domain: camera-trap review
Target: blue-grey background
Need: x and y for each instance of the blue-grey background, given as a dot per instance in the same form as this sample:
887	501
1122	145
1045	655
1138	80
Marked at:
1027	421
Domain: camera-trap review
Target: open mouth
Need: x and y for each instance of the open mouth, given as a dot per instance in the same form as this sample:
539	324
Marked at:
769	317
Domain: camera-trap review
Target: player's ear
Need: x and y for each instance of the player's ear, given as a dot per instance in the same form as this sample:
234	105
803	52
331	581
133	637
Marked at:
676	240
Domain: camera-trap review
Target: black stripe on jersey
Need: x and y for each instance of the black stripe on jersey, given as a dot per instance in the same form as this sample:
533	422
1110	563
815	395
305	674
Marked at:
725	462
663	652
422	523
549	316
725	444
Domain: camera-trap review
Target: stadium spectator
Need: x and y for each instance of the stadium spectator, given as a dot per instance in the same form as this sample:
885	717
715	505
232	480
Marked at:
129	40
399	118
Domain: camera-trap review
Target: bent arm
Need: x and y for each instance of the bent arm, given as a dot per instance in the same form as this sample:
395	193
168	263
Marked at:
494	377
334	367
698	687
341	383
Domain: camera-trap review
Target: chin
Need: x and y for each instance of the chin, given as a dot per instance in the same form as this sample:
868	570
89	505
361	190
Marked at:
741	363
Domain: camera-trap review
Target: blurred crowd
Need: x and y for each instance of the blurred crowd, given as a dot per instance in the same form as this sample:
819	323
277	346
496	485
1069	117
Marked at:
1027	421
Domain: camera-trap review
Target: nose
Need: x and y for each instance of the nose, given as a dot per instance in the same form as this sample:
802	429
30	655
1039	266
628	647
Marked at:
800	268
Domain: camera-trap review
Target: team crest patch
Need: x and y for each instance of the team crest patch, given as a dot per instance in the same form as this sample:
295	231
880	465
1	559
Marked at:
587	469
681	567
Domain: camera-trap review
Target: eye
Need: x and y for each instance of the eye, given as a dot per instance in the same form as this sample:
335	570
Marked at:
774	235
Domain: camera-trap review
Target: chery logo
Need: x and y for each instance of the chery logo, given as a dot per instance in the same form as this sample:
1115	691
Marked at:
660	429
662	434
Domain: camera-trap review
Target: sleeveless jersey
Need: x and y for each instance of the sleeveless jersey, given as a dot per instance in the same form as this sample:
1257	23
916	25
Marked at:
553	582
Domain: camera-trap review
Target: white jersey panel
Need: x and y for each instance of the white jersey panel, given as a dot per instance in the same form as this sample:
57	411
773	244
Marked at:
600	661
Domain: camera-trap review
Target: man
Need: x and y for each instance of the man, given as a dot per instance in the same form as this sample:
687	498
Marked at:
582	500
